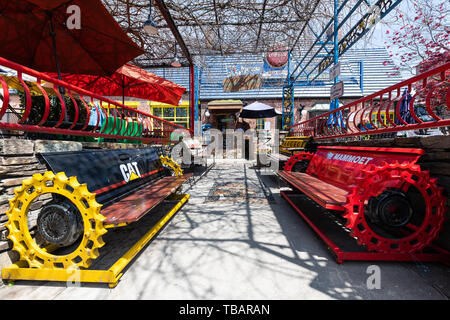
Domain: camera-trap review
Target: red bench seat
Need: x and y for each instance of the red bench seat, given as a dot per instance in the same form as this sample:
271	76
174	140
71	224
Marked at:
135	206
325	194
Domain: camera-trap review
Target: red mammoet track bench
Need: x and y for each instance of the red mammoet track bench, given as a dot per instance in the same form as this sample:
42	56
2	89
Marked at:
391	207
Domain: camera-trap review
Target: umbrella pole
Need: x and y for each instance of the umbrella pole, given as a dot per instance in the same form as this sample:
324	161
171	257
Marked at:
55	52
123	89
58	68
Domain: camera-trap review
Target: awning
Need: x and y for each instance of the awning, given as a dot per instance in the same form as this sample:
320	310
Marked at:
225	106
322	107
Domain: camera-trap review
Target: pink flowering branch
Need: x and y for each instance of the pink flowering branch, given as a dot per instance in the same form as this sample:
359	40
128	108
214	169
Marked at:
421	35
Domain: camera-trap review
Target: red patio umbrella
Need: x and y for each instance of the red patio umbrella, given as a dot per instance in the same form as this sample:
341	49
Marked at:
129	81
35	33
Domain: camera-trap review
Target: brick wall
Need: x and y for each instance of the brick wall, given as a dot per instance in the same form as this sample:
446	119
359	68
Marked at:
277	103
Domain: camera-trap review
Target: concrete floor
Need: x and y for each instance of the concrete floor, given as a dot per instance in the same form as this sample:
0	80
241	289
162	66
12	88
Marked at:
242	242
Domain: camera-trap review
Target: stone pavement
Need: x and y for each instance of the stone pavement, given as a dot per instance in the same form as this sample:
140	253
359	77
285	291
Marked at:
237	238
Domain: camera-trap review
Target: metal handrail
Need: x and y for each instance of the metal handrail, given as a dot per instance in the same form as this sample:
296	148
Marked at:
372	114
154	129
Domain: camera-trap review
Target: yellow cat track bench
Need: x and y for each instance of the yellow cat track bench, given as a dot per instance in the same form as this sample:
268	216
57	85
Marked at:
293	144
91	192
289	147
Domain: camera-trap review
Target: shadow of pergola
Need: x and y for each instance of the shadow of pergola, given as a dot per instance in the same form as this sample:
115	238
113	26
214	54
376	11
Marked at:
247	250
252	247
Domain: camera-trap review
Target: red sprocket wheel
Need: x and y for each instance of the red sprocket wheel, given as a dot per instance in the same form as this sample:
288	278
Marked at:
394	180
301	156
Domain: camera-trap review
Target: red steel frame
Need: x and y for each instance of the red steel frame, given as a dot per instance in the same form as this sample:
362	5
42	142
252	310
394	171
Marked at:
155	130
381	104
440	255
354	163
192	98
365	117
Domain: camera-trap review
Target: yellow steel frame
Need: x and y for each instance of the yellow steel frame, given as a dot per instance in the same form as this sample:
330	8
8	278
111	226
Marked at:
19	270
297	142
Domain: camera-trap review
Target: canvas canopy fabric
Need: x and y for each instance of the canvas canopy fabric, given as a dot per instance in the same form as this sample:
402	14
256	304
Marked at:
129	81
35	34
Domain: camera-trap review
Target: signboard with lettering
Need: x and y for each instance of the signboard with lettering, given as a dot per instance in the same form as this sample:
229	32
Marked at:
337	90
335	71
275	63
278	57
376	12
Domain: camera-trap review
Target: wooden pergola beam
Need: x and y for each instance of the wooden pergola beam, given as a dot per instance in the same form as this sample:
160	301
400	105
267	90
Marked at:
174	29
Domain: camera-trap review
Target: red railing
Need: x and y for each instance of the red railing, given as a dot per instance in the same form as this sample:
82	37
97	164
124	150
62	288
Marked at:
421	102
67	110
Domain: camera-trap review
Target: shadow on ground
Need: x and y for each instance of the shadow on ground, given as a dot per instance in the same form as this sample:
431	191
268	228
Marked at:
257	247
238	239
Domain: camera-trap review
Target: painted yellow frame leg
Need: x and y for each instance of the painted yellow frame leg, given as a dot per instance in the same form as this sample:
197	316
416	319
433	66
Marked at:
111	276
127	257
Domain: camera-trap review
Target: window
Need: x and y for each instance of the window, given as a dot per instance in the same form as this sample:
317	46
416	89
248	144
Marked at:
157	112
260	124
176	114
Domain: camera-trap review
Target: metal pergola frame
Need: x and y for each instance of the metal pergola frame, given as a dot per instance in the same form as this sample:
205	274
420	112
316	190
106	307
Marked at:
260	21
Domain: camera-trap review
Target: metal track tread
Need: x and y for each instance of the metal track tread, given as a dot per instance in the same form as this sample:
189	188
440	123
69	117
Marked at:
345	248
111	276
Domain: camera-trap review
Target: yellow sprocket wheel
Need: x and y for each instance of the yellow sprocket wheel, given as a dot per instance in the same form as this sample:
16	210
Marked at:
78	194
169	162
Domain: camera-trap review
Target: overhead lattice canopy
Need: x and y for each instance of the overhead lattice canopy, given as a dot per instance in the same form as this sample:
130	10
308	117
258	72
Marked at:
223	27
189	30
